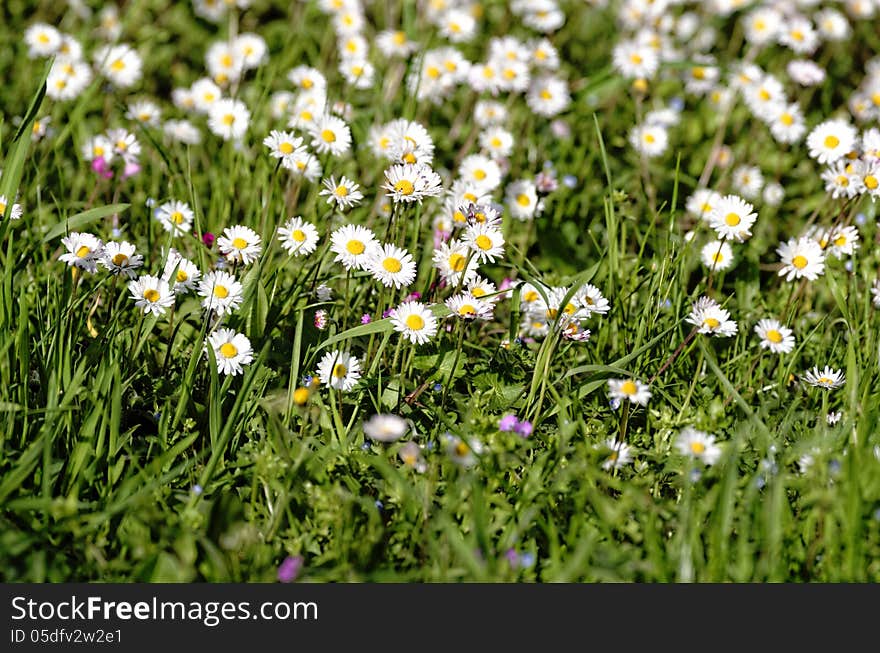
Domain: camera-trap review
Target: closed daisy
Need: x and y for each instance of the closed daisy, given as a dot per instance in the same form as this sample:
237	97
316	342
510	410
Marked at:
231	351
632	390
353	246
415	321
344	193
120	258
83	251
485	241
339	370
699	445
801	258
220	292
828	378
774	336
175	216
151	294
240	244
298	237
732	217
392	266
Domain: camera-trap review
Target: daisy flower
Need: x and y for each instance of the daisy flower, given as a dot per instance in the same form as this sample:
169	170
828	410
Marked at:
480	172
485	241
120	258
649	140
461	452
83	251
634	60
548	96
303	164
831	140
15	210
175	216
184	273
220	292
841	179
620	454
590	299
748	181
339	370
415	321
801	258
229	119
298	237
344	193
224	63
632	390
805	72
385	428
307	79
483	289
699	445
717	255
205	94
151	294
282	144
497	141
467	307
828	378
787	122
353	246
732	217
182	131
702	202
522	200
412	182
391	266
251	48
144	112
330	134
231	350
393	43
774	336
875	293
844	241
119	63
709	318
42	40
240	244
454	261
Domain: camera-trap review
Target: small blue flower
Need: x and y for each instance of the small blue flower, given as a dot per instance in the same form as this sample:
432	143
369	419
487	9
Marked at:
438	387
570	181
614	402
365	446
695	475
834	466
860	218
197	489
848	265
676	104
150	203
760	481
379	504
527	560
307	380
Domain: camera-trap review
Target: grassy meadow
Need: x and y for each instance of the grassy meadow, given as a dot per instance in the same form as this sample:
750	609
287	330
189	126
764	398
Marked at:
439	291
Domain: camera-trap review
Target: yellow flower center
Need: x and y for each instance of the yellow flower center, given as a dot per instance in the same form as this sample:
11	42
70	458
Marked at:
117	65
871	182
545	94
182	276
404	187
120	259
43	38
398	38
483	242
221	292
635	58
649	138
831	142
151	295
355	247
228	119
409	157
228	350
341	191
495	142
300	396
698	73
698	448
285	148
467	309
298	235
786	119
239	243
415	322
732	219
392	265
176	217
711	322
840	241
774	336
340	370
461	449
433	72
800	262
764	94
629	388
479	174
226	61
83	250
457	262
307	83
328	135
824	380
523	200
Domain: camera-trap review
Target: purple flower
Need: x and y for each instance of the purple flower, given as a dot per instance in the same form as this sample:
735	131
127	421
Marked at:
366	319
508	423
512	557
100	166
414	296
290	568
208	239
524	428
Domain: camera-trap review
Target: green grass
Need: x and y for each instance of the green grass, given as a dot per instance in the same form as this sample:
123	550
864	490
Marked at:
124	456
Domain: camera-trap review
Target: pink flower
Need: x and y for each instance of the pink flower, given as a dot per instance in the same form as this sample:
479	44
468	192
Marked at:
208	239
99	165
131	169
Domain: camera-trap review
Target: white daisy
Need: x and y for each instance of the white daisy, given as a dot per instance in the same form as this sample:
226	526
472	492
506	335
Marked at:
151	294
412	182
467	307
15	211
330	134
632	390
175	217
774	336
353	246
487	242
710	319
181	273
831	140
717	255
650	140
619	454
827	379
119	63
391	266
385	428
231	351
339	370
240	244
801	258
454	260
298	237
283	144
415	321
220	292
83	251
120	258
697	444
229	119
732	217
344	193
522	199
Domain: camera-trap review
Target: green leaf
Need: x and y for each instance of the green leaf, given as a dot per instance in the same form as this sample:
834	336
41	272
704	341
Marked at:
83	219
